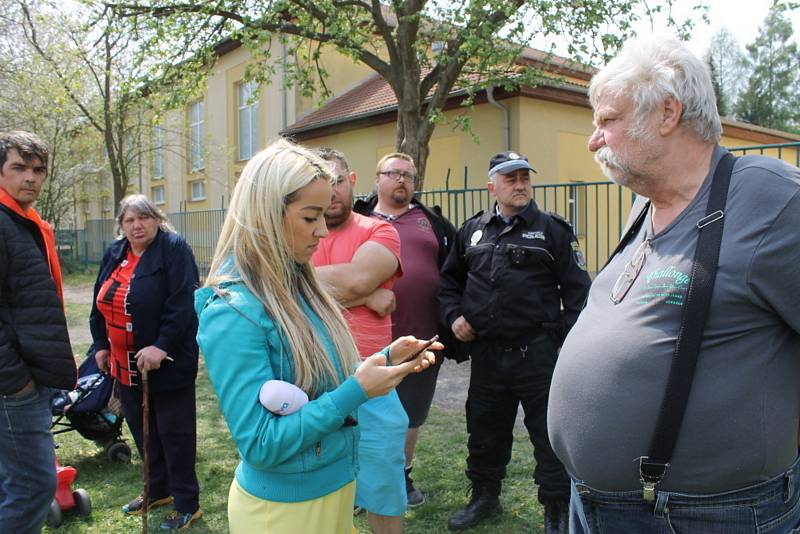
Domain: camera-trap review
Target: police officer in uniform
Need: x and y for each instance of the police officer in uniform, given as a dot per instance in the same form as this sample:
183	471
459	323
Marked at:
511	287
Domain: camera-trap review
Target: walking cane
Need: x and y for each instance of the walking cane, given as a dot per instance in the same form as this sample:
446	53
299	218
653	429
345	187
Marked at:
146	455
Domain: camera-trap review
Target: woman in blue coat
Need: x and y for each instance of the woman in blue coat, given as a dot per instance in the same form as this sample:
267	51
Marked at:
264	316
143	319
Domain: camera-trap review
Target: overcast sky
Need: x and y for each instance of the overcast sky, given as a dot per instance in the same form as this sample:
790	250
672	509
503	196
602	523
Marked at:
742	17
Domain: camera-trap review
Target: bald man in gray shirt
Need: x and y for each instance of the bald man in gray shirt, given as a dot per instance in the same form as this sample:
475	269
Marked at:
734	468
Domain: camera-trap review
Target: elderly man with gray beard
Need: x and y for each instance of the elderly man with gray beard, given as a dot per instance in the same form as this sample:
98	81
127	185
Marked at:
733	467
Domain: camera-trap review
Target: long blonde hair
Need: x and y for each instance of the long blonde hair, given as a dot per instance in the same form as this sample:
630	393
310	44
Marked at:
253	236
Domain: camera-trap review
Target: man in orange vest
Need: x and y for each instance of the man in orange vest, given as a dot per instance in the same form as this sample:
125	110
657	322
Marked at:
35	353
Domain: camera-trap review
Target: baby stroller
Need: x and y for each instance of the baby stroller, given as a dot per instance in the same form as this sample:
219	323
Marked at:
92	411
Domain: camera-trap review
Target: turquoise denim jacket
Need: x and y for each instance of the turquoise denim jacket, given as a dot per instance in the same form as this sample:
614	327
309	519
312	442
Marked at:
290	458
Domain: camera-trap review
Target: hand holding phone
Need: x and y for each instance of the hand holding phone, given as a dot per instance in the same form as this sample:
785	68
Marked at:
407	349
378	378
426	346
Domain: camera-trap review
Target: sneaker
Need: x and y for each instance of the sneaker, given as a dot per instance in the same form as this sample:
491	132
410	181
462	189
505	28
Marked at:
178	521
135	506
414	496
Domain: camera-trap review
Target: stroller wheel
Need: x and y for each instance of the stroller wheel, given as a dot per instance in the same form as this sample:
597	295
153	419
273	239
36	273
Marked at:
54	514
82	501
119	451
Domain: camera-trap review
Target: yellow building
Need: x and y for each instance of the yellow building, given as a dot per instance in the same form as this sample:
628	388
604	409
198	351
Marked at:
550	124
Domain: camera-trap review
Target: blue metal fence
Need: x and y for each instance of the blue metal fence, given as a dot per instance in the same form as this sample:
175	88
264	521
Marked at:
596	210
789	152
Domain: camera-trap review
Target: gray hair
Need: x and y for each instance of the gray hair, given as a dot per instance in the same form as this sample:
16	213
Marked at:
650	69
142	205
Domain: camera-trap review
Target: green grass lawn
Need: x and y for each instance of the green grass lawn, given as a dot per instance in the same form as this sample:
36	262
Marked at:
110	485
77	314
438	471
81	275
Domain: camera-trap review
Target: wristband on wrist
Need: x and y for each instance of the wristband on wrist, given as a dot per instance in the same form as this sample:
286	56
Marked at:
386	351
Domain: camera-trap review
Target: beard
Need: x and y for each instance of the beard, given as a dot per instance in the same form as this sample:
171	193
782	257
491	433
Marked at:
337	214
628	172
401	196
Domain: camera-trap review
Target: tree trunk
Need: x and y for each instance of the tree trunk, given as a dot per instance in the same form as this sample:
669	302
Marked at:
414	142
417	148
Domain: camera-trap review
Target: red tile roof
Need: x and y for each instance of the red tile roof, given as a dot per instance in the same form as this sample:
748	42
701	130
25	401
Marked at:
371	97
374	97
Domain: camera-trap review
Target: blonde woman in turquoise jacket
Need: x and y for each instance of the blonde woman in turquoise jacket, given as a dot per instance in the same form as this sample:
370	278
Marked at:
263	316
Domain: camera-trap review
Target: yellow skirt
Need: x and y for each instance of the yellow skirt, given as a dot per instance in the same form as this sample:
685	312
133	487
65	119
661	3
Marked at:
331	514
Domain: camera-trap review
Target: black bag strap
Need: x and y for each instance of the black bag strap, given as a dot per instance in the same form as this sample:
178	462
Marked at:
653	467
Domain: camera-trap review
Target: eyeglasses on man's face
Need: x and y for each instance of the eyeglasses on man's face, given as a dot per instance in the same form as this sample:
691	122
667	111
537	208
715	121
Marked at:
629	274
395	175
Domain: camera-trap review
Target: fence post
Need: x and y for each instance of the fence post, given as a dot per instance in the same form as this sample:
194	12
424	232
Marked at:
464	195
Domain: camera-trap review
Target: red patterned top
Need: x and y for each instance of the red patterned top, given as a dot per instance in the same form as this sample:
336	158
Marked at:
112	302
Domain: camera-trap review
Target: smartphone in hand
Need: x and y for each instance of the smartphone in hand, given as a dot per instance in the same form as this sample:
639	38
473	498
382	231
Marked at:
427	344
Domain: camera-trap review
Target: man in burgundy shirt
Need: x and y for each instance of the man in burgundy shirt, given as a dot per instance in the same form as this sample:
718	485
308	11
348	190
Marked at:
425	237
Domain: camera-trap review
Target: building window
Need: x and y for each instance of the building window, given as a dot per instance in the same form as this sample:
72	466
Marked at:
248	120
196	136
158	151
198	190
158	194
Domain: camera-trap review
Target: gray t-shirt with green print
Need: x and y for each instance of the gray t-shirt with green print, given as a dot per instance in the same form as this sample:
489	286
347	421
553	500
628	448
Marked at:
741	421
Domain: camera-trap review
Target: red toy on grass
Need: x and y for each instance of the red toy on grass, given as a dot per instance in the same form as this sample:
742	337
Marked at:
65	498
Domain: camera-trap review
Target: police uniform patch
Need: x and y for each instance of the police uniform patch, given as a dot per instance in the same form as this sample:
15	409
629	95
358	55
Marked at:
533	235
475	237
580	259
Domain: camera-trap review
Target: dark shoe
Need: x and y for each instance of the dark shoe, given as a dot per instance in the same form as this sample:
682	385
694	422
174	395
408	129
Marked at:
135	506
482	505
178	521
556	517
414	496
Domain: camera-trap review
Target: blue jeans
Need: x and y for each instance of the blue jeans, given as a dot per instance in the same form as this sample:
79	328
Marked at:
27	461
770	507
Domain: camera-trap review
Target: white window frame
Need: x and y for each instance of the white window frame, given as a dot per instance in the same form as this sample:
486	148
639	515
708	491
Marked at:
197	195
158	152
196	145
159	195
247	120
